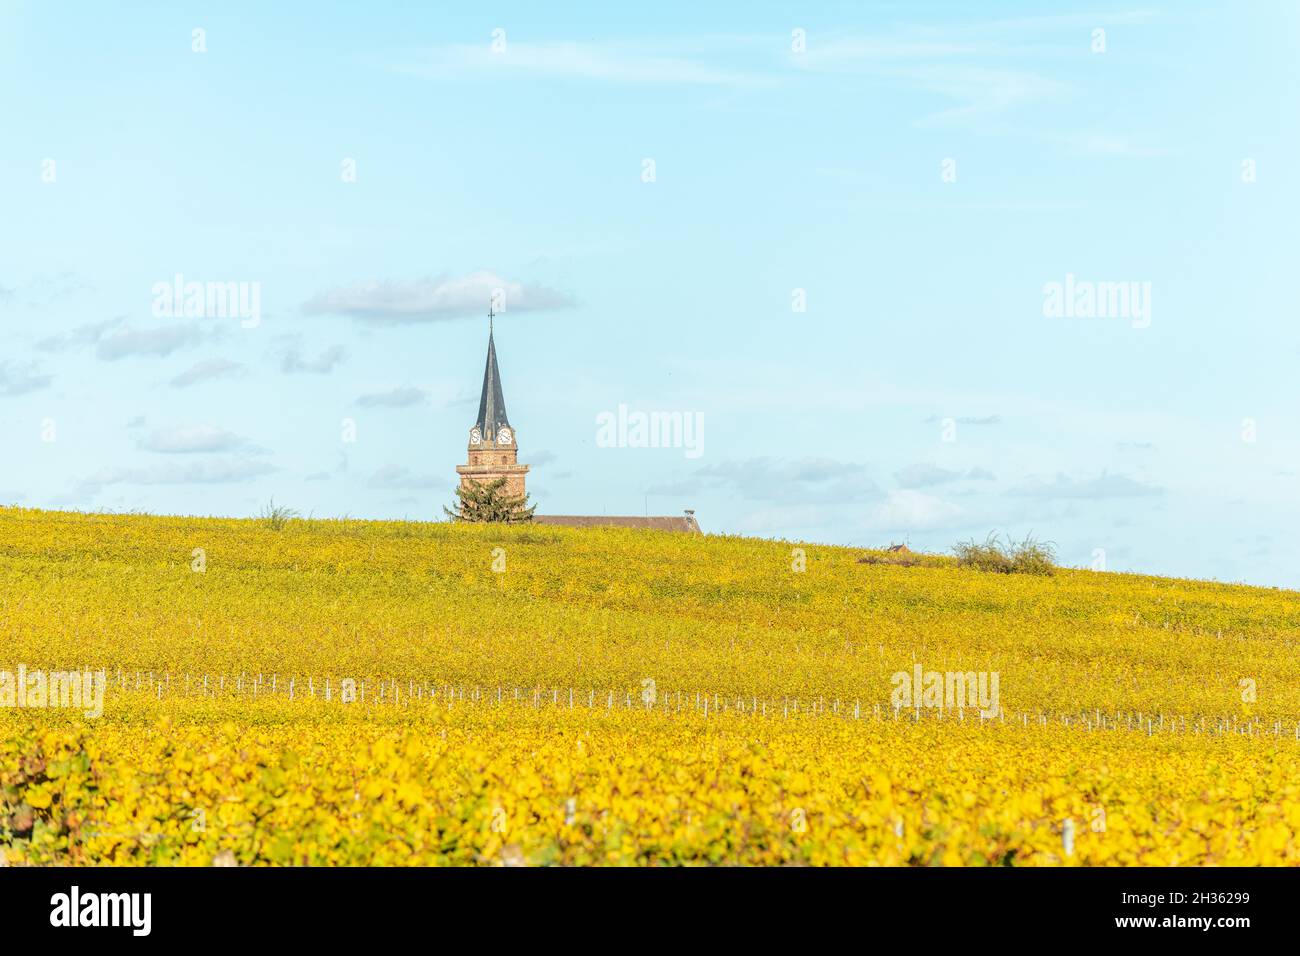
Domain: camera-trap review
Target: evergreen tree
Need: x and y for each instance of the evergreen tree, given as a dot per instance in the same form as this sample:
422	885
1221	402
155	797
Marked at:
490	502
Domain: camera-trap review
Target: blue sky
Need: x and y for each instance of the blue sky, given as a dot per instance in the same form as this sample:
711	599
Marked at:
922	394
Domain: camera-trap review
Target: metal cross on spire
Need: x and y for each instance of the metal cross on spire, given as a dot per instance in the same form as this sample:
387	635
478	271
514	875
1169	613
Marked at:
491	315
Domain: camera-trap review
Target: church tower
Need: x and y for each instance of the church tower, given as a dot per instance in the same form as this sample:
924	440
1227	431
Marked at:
493	448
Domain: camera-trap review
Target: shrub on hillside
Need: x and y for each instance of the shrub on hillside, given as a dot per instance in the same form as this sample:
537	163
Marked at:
276	516
1024	557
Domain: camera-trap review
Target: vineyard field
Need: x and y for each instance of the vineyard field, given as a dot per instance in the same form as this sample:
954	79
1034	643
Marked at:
399	693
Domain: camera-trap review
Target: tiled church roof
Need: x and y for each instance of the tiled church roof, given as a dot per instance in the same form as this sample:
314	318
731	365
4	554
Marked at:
687	523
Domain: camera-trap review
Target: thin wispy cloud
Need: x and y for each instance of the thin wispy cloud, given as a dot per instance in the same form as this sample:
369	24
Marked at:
665	62
926	475
403	397
82	336
462	399
43	291
1105	485
772	479
204	471
1104	144
296	360
189	439
969	71
399	477
982	70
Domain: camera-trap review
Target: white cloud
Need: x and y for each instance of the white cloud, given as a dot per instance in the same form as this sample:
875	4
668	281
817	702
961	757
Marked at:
160	341
19	378
114	339
910	510
394	302
207	371
924	475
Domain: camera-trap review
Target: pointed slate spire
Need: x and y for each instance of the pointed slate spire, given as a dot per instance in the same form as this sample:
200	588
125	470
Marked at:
492	404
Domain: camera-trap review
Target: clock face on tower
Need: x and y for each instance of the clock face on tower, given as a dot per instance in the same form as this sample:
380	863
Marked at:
475	436
504	437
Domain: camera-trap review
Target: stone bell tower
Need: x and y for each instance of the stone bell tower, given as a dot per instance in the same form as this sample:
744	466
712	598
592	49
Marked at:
493	448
